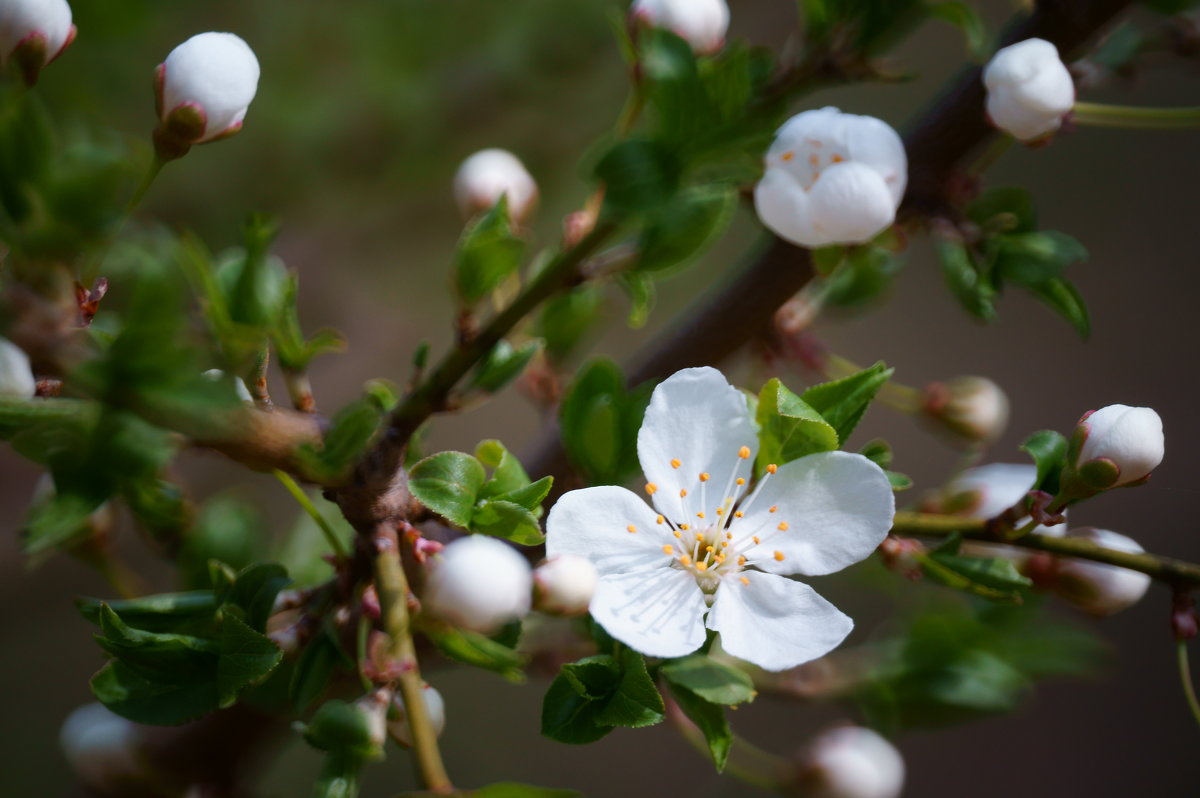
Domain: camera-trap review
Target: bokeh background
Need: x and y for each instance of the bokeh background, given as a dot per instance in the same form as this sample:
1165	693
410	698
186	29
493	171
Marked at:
363	112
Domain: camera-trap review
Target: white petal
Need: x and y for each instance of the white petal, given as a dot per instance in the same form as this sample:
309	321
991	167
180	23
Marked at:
836	508
784	208
697	418
874	143
999	485
593	523
655	612
774	622
851	203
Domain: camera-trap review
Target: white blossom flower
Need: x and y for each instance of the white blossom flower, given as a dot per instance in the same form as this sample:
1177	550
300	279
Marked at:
564	585
972	409
985	492
488	175
478	583
101	747
852	762
16	377
1029	89
701	23
1095	587
210	79
435	708
1131	438
832	178
715	546
35	31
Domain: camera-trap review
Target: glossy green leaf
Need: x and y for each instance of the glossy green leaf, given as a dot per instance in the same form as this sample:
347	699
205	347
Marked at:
448	483
246	657
487	255
1049	452
472	648
788	427
976	295
686	226
566	319
254	591
843	402
709	679
639	175
504	364
141	700
710	719
508	521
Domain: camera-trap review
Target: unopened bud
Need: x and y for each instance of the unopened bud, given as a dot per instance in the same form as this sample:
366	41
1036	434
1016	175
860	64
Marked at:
33	33
16	376
852	762
357	730
701	23
478	583
1095	587
488	175
204	89
101	747
972	410
1114	446
1029	89
435	709
564	585
985	492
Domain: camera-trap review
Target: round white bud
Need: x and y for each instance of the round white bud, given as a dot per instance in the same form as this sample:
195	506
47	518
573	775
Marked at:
101	747
701	23
435	708
1130	437
853	762
478	583
1095	587
212	75
16	376
972	409
44	24
564	585
1029	89
488	175
832	178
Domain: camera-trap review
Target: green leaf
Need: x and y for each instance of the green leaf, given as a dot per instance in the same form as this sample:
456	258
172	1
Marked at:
599	420
639	175
1033	258
898	481
640	289
686	226
159	656
565	319
508	521
507	472
843	402
878	451
1004	209
247	657
58	521
595	677
255	283
141	700
160	613
709	679
964	17
788	427
710	719
636	701
314	668
994	578
254	591
1063	297
504	364
1049	452
448	483
865	273
488	253
508	789
531	496
976	295
568	717
479	651
351	432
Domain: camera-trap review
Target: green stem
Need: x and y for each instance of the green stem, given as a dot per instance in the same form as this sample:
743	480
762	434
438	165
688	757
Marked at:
306	503
1185	678
1164	569
1134	117
139	193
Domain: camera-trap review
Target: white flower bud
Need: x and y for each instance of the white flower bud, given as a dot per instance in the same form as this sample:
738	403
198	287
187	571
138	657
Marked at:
101	747
831	178
1095	587
435	707
205	87
701	23
987	491
853	762
972	409
564	585
1029	89
34	32
479	583
1131	438
16	376
488	175
239	385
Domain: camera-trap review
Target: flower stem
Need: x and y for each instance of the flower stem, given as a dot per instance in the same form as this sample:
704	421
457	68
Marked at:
1185	678
1134	117
139	193
392	587
302	499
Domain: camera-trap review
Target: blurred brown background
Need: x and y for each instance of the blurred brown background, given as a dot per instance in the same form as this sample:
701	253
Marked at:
363	112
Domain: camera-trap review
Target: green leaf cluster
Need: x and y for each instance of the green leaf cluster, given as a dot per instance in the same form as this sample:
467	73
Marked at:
352	431
591	697
599	420
703	687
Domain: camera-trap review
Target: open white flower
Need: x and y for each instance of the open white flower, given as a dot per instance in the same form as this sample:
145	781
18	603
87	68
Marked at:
713	544
1029	89
701	23
205	87
832	178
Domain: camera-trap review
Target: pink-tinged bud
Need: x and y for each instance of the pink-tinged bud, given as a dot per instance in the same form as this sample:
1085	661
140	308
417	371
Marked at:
564	585
33	33
203	91
1029	89
970	410
1095	587
374	710
435	708
1117	445
478	583
851	762
101	747
701	23
488	175
16	377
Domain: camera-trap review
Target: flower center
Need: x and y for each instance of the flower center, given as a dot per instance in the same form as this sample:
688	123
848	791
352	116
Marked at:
807	161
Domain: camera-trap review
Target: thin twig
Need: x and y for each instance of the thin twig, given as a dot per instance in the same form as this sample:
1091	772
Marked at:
307	505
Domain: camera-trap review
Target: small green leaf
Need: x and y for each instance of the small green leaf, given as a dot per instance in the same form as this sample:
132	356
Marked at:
247	657
351	432
640	289
472	648
488	253
639	175
599	420
1049	452
141	700
504	364
568	717
314	669
531	496
843	402
448	483
710	719
595	677
878	451
789	427
712	681
1004	209
508	521
898	481
160	613
636	701
507	472
685	227
254	591
1063	297
566	319
994	578
976	295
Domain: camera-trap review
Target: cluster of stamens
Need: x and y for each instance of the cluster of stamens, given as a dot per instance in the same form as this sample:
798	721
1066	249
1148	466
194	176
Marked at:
814	160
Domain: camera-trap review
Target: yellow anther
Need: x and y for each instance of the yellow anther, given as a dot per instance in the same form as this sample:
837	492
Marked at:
741	480
699	537
685	560
782	526
744	580
756	540
772	468
739	514
678	535
683	526
708	548
658	519
668	549
720	511
699	515
836	158
704	477
779	556
683	493
787	156
651	488
741	560
701	566
813	160
675	464
631	529
729	536
744	452
721	557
